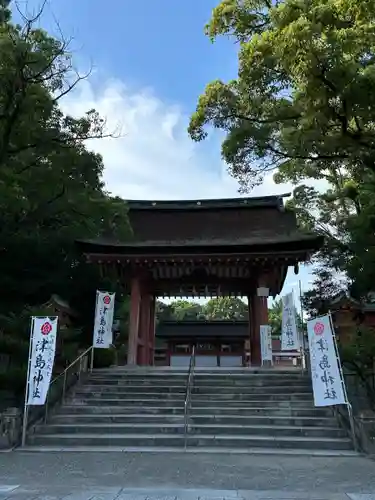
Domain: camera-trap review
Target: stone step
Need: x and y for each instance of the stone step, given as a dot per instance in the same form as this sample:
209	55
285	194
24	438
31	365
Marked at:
195	389
151	400
222	372
168	396
203	403
178	428
222	450
209	379
291	396
79	393
268	389
256	402
172	440
89	409
109	419
134	387
70	409
232	371
244	382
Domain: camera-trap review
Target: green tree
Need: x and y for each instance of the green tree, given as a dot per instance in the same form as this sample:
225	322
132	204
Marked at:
51	192
51	188
275	313
222	308
275	317
178	310
299	108
164	312
358	356
303	100
185	309
318	300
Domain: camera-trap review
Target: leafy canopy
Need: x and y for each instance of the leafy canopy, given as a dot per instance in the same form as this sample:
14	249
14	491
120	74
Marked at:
51	189
303	99
219	308
226	308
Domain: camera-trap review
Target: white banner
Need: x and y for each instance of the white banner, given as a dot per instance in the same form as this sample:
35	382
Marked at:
325	372
266	342
104	309
289	333
42	356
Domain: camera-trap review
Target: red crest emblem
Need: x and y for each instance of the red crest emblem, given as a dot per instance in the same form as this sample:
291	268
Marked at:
46	328
106	299
319	328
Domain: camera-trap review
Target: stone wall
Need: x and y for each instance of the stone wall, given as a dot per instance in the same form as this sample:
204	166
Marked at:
10	428
363	411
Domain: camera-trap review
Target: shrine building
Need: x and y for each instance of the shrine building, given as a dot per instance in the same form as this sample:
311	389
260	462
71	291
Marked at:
203	248
219	343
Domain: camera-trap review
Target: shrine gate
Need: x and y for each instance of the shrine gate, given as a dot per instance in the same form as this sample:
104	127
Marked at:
205	248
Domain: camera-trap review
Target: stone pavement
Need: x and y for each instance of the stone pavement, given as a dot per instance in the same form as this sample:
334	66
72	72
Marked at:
112	493
156	476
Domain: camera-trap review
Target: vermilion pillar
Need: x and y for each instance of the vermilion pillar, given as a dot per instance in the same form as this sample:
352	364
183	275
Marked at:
258	315
134	318
151	330
144	328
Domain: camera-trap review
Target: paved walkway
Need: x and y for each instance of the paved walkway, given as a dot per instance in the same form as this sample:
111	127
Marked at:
136	476
19	493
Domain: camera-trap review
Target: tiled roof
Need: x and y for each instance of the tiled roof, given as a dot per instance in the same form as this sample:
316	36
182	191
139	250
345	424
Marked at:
227	222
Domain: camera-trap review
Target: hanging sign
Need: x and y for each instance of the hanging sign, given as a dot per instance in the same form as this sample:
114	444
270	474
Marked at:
289	333
41	358
325	369
104	309
266	343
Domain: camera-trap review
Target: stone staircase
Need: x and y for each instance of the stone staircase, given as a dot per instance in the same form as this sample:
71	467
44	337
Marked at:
231	410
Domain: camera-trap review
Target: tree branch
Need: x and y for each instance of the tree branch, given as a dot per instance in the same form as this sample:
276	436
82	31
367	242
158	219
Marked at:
262	121
43	206
304	157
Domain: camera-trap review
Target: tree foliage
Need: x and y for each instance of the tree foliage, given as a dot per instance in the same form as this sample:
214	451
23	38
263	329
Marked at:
51	191
275	313
226	308
51	188
275	317
178	310
220	308
358	356
300	109
303	97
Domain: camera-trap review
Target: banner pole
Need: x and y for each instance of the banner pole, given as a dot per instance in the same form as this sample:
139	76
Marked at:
303	355
92	359
348	405
27	387
93	333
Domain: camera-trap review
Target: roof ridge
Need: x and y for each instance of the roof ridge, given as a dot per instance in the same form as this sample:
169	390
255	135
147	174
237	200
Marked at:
249	201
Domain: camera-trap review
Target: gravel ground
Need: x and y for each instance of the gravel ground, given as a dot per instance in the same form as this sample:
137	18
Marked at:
174	470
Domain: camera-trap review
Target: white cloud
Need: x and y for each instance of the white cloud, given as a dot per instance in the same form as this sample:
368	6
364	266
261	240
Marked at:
155	158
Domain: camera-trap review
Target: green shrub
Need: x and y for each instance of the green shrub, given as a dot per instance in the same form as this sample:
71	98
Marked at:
14	379
103	358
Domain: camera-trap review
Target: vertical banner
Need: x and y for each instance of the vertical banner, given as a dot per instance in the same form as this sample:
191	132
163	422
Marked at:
325	370
289	333
42	356
104	309
266	343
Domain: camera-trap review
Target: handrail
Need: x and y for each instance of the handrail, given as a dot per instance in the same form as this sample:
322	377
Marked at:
188	395
65	373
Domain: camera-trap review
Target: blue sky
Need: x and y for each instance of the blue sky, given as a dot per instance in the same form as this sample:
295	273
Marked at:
150	62
146	43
